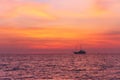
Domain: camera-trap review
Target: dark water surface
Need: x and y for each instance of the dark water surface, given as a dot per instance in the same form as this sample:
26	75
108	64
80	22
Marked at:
60	67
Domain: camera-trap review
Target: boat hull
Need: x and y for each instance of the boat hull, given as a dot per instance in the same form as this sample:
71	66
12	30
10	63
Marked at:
79	52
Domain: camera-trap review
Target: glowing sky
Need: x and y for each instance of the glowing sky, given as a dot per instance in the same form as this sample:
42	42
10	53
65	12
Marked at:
58	26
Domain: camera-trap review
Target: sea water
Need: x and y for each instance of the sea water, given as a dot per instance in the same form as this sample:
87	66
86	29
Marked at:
60	67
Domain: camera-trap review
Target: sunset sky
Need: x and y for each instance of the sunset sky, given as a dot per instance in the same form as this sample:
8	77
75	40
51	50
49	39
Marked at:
59	26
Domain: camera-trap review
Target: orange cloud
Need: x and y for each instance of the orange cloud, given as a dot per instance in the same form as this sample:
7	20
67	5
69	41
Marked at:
35	11
28	9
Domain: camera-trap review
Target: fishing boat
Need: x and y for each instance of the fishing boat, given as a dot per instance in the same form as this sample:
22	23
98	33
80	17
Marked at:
80	52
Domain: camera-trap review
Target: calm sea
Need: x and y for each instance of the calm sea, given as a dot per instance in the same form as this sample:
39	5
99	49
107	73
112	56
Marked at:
60	67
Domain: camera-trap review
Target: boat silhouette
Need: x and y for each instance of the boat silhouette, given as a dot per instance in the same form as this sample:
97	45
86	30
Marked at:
80	52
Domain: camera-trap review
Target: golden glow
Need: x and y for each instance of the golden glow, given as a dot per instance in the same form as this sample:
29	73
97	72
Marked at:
34	12
56	38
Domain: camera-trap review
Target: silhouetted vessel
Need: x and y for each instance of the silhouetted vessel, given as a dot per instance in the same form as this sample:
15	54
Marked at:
80	52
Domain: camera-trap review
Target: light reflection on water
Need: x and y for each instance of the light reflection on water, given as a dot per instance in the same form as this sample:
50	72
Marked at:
58	67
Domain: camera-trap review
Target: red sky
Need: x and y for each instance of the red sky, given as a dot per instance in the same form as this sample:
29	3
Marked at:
41	26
